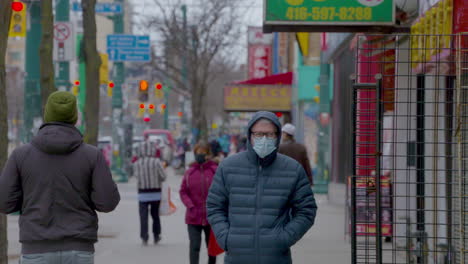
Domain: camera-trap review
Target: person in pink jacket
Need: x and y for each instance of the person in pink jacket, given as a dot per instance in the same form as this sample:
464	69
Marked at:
193	192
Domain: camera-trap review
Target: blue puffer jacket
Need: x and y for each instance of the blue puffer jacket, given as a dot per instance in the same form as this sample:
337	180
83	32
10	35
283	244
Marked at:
259	208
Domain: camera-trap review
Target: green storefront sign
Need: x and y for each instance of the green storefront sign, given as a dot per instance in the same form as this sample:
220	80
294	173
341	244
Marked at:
329	12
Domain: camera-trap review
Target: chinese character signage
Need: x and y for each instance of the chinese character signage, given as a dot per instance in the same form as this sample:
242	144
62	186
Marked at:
257	97
431	38
256	36
259	61
329	12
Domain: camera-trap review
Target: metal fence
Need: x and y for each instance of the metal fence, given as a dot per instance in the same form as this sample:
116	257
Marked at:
408	191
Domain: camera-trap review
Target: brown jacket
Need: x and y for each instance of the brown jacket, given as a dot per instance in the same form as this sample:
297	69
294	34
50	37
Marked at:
299	153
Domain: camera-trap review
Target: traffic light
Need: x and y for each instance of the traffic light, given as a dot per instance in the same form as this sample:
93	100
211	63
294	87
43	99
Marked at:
110	87
141	110
162	107
158	92
104	68
180	114
151	108
279	114
18	19
76	87
143	91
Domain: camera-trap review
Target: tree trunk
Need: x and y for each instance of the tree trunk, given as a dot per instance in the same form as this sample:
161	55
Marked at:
46	51
5	15
198	114
93	62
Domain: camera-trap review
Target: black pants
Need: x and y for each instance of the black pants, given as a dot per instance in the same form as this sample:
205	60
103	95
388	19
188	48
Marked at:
144	219
195	233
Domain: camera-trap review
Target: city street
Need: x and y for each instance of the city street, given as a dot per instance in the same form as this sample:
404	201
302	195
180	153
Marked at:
119	241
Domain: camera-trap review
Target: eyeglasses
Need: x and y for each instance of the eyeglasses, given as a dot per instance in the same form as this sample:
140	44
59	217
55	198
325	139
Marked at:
264	134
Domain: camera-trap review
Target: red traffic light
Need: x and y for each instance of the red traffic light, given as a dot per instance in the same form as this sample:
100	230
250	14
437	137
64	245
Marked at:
17	6
163	106
279	114
77	83
180	114
111	85
146	119
142	106
143	85
151	106
159	86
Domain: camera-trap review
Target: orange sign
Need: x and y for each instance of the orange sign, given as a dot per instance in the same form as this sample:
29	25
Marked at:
257	97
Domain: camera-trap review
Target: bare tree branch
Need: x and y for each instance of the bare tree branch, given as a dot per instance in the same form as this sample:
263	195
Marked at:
192	52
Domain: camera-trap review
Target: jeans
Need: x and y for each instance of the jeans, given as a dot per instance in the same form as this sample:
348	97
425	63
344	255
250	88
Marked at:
61	257
195	233
144	219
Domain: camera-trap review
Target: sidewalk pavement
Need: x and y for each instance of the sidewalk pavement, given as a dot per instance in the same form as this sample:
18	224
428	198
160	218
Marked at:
119	241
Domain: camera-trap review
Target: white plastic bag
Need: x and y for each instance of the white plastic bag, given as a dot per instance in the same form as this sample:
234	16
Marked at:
167	207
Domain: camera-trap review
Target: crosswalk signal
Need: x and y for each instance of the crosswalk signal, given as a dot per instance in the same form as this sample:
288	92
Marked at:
18	19
143	91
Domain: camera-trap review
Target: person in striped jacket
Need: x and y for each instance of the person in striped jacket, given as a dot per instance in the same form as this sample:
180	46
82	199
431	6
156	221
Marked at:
149	172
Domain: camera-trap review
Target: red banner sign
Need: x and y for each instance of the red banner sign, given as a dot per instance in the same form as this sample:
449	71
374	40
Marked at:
259	61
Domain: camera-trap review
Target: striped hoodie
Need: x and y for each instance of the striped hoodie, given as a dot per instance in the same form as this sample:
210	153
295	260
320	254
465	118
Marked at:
148	169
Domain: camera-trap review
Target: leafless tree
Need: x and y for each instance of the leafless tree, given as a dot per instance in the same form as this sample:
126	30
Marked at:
192	48
46	51
93	62
5	15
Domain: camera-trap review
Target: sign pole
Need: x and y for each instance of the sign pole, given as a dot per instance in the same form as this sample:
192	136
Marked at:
62	11
32	89
118	158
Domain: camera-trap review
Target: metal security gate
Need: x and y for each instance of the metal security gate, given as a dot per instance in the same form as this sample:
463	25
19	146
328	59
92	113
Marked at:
408	192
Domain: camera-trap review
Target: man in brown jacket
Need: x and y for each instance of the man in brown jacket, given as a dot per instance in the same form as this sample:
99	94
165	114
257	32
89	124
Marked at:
297	151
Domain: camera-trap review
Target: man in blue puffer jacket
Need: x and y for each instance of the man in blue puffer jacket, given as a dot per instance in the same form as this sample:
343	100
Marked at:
260	202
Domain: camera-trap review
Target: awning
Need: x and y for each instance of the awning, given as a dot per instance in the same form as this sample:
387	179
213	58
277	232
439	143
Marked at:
283	78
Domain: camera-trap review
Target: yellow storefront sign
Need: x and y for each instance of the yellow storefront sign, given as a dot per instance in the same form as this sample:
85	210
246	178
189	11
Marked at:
426	41
257	97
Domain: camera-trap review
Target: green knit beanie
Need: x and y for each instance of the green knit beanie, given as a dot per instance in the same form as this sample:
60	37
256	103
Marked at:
61	107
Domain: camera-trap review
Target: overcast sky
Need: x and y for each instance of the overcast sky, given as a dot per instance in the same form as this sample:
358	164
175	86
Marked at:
252	17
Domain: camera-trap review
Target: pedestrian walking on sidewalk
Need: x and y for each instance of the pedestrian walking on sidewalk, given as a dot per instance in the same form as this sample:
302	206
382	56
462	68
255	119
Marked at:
193	192
297	151
260	202
57	182
150	174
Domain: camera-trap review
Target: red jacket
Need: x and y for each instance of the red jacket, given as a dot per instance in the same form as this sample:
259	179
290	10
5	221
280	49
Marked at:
194	191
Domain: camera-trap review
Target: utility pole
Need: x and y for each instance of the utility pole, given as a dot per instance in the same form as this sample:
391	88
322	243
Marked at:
62	14
322	177
118	73
32	89
166	89
184	72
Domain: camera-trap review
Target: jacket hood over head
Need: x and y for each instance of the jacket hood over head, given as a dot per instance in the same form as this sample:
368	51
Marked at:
274	119
57	138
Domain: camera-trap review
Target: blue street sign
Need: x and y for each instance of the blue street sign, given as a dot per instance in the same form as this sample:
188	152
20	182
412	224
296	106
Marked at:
115	8
128	48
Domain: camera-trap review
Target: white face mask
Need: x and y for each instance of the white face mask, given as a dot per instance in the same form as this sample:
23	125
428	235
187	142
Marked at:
264	146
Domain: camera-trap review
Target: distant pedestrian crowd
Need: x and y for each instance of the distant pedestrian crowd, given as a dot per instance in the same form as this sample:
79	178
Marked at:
248	196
